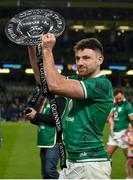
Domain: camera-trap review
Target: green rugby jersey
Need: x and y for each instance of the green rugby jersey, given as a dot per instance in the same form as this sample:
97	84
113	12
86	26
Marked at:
46	134
86	119
120	115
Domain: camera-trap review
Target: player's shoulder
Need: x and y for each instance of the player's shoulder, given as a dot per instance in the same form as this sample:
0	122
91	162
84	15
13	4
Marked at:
127	103
103	82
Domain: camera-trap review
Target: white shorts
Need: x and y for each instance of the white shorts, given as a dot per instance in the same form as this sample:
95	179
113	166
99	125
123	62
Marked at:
116	140
86	170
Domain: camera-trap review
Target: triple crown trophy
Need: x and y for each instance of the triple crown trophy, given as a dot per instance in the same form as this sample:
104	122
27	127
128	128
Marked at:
26	28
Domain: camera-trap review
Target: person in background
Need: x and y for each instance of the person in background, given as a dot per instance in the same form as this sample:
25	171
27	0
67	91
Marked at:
127	137
91	100
49	149
120	117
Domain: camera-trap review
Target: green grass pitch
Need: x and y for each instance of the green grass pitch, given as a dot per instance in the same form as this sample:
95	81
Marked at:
19	155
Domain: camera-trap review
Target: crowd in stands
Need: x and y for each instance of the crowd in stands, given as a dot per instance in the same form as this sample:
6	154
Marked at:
13	102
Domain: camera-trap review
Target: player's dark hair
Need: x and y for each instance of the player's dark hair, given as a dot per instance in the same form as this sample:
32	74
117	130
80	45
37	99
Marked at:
90	43
118	90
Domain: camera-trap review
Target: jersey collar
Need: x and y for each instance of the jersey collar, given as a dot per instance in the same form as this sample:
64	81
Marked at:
99	74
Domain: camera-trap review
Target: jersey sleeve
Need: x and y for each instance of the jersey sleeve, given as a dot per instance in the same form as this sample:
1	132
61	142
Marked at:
129	109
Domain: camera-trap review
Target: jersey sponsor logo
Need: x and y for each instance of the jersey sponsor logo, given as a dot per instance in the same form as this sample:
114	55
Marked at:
83	154
71	119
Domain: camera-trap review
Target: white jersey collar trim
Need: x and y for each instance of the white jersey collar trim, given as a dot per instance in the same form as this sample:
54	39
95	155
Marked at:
99	74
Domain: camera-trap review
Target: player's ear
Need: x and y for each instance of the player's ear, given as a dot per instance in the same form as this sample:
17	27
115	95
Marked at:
100	59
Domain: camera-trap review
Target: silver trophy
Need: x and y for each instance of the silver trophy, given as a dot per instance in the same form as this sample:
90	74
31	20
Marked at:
26	27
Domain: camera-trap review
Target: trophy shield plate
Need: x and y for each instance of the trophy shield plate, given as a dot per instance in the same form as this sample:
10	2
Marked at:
26	27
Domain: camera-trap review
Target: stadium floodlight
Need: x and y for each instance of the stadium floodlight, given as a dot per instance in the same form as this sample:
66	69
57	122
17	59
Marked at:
106	71
29	71
4	70
130	72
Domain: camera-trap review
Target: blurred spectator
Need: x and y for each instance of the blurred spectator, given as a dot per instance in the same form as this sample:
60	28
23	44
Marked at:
128	139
